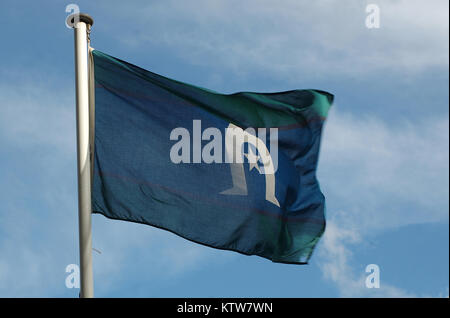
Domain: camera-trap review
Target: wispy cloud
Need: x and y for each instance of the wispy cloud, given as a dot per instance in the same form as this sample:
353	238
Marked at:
291	38
336	257
371	172
128	248
37	112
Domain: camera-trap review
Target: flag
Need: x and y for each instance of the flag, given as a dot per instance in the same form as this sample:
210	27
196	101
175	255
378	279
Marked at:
230	171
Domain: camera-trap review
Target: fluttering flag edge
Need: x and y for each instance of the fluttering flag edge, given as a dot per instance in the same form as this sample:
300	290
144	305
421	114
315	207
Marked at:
196	241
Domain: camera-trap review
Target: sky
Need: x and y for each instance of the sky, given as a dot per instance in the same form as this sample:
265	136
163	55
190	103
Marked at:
383	167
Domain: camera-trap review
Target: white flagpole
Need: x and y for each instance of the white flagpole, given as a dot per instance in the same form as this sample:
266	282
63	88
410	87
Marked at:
81	22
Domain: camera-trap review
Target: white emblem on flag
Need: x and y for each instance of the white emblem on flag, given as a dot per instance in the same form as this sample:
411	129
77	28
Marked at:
235	138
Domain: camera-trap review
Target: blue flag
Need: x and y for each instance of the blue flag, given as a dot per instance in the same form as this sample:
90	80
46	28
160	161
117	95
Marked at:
234	172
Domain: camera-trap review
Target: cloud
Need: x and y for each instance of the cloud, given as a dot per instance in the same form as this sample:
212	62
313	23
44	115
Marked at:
290	39
373	170
378	178
336	257
335	260
37	112
129	248
37	135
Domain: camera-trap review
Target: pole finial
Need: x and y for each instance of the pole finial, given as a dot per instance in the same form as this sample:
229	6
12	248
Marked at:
81	17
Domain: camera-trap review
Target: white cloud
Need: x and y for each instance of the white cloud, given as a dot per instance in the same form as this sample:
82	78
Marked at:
335	261
378	178
290	38
36	221
373	169
126	247
37	112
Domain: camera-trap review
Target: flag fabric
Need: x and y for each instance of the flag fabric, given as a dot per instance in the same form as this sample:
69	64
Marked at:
230	171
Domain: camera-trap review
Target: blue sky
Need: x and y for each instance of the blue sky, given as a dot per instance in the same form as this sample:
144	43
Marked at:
384	158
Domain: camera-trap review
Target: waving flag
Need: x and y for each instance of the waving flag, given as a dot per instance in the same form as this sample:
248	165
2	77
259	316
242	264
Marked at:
234	172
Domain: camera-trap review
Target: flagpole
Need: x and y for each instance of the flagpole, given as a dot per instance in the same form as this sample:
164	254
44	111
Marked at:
81	23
